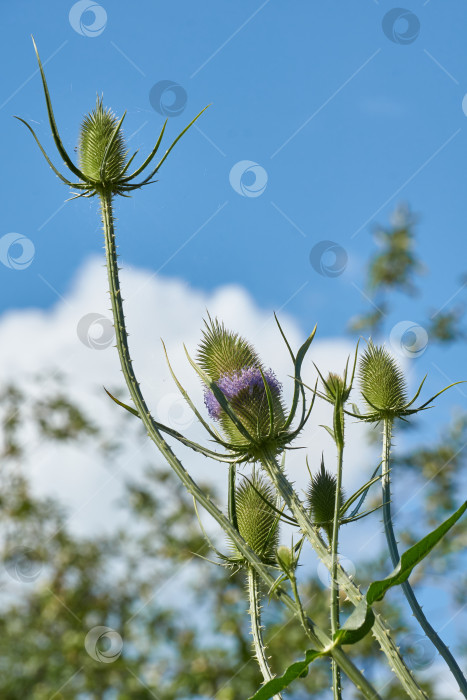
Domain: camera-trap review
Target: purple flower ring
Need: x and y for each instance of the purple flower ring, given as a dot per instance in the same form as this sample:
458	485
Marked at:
232	383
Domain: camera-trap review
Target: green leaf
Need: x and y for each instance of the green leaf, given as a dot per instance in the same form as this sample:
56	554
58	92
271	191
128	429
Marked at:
124	405
172	145
412	557
298	669
176	434
57	173
362	491
149	158
298	388
357	625
52	122
329	430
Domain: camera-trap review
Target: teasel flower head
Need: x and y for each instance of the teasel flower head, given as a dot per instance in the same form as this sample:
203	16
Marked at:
321	499
244	397
103	163
384	388
382	382
257	521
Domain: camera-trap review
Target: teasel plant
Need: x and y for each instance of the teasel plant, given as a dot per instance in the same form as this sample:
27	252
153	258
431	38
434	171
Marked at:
384	391
252	425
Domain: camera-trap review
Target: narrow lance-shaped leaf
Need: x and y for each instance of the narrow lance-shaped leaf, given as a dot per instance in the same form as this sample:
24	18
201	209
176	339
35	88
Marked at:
175	434
298	669
52	122
145	181
357	625
362	491
412	557
149	158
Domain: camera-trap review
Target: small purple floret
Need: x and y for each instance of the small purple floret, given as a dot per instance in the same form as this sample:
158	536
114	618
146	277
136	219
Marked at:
233	383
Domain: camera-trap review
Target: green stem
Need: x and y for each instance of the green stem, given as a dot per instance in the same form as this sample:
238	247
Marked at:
379	629
319	637
296	595
256	633
394	553
231	495
336	676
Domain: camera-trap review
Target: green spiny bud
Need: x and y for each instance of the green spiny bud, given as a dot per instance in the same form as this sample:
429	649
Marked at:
382	383
321	499
257	521
96	133
335	387
285	559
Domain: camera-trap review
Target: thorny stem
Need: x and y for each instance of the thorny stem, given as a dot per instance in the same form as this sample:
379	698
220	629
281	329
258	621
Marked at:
394	553
336	676
318	636
256	633
379	629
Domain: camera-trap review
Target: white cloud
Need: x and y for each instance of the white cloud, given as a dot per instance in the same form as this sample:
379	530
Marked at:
36	341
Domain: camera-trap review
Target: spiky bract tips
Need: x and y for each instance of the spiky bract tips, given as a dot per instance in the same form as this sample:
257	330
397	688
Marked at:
382	383
97	139
321	499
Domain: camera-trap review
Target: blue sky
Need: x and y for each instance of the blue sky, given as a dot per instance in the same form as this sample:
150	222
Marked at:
367	114
342	119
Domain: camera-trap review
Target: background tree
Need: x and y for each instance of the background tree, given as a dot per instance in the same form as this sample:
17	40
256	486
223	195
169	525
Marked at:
59	588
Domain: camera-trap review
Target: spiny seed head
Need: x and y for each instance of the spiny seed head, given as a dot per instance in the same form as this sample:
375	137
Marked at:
382	383
223	352
232	363
321	498
257	521
95	135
